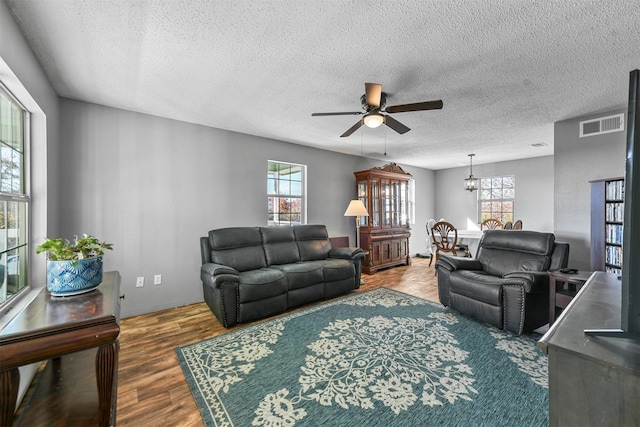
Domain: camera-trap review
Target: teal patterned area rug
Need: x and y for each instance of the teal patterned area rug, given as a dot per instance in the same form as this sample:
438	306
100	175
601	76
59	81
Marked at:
377	358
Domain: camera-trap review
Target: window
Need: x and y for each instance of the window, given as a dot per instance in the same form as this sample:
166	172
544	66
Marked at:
14	201
286	187
497	198
412	203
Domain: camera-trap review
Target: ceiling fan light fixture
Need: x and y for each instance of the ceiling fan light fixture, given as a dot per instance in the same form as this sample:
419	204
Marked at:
373	120
471	183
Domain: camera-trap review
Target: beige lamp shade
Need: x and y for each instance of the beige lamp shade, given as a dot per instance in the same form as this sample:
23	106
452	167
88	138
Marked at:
356	208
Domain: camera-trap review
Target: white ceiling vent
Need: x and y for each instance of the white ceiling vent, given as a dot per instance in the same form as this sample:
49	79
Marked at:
602	125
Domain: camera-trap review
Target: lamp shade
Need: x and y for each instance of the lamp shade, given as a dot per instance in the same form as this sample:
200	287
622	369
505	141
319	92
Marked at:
373	120
356	208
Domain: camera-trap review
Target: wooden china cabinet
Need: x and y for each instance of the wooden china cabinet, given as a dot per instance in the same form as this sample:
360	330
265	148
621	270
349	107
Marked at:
385	233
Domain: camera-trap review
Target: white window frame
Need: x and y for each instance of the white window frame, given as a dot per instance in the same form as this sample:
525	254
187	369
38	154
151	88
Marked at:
275	192
19	252
487	184
411	200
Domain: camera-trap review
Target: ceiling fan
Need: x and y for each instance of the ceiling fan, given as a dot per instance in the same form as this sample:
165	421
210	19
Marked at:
374	102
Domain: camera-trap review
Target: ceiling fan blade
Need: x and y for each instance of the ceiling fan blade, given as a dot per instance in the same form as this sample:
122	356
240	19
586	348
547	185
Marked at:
373	92
418	106
352	129
395	125
350	113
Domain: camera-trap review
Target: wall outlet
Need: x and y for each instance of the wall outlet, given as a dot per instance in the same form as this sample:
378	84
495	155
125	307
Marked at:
157	279
139	282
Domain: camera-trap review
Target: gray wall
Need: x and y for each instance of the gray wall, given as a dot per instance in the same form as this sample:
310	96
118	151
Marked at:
578	161
27	80
153	186
534	192
21	73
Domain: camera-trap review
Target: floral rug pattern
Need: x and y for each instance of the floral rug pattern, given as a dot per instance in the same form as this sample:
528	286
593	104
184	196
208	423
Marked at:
382	363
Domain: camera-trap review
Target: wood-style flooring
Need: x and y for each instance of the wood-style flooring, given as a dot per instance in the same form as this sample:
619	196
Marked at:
152	391
151	387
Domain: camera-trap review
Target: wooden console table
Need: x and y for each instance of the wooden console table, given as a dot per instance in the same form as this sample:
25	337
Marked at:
50	327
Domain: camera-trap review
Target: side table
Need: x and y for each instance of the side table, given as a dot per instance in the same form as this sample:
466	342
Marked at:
562	288
50	327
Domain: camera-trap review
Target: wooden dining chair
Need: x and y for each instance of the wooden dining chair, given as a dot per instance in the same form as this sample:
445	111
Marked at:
445	238
508	225
490	224
517	225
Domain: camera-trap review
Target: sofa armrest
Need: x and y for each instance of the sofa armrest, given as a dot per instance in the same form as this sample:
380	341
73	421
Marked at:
533	281
453	263
347	253
214	274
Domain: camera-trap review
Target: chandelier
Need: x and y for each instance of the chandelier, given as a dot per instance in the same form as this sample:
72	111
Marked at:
471	183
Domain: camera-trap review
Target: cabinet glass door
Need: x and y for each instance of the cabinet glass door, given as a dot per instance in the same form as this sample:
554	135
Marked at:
362	196
386	203
375	202
395	203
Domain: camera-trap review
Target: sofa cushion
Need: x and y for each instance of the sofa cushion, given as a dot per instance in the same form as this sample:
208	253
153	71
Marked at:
237	247
313	242
504	251
336	269
476	285
279	245
301	274
532	242
261	284
532	264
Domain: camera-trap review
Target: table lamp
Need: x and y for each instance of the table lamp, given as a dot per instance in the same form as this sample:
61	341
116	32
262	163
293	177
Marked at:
356	208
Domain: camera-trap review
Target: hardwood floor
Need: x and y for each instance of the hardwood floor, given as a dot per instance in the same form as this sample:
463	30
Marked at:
151	387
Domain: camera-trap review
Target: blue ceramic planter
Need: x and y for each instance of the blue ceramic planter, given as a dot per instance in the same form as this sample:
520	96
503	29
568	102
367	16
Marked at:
73	277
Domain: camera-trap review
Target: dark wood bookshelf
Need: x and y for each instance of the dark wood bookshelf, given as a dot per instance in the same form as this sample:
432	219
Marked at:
607	213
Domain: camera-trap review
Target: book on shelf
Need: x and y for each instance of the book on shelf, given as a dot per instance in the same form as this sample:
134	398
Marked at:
615	212
613	233
615	190
613	255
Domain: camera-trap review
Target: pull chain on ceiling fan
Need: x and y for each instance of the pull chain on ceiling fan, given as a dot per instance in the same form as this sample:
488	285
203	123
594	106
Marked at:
373	104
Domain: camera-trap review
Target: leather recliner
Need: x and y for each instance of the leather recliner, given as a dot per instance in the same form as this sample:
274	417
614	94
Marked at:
507	284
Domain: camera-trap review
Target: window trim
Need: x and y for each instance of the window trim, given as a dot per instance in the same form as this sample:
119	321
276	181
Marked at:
302	198
23	197
411	201
501	200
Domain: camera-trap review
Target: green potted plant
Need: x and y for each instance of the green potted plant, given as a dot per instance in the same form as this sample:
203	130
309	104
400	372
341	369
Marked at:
73	267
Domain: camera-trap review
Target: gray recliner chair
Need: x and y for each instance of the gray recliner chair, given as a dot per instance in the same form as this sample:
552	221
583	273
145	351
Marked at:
507	284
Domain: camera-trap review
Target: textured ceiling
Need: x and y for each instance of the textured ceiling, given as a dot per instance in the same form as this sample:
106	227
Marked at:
505	70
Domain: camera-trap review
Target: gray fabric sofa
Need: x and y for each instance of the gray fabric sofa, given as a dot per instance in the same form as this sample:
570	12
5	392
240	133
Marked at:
250	273
507	284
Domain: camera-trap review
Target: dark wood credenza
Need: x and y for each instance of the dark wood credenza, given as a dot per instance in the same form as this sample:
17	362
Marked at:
593	380
50	327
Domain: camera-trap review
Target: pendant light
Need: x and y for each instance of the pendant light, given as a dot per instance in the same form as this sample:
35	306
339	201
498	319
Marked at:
471	183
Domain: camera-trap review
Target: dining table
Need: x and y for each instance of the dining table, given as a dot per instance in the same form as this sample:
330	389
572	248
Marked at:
470	238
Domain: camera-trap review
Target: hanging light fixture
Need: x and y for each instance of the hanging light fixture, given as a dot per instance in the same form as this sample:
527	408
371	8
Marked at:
471	183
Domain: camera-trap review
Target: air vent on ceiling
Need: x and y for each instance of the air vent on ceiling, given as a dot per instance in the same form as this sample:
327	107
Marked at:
602	125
